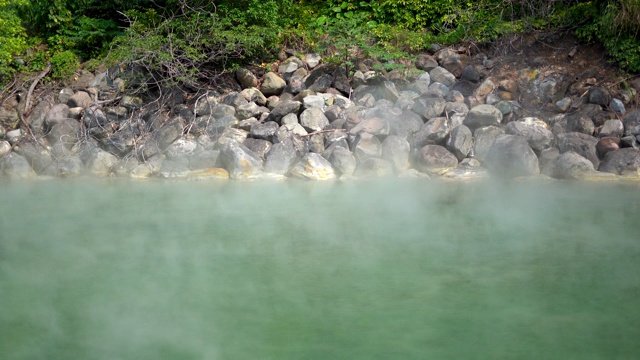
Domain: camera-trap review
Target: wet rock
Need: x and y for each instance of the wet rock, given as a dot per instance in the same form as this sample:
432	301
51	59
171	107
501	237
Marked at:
272	84
239	161
483	115
625	161
534	130
313	167
460	142
208	174
582	144
396	150
435	159
15	166
374	167
511	156
570	165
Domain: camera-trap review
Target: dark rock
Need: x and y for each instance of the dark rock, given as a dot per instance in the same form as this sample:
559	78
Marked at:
232	99
632	123
607	144
284	108
511	156
321	84
624	161
469	73
435	159
265	131
580	123
582	144
465	87
599	95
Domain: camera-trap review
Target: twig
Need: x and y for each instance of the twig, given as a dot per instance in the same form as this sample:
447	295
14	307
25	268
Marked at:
44	72
320	132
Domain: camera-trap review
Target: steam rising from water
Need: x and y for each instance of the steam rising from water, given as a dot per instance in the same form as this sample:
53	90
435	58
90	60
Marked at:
292	270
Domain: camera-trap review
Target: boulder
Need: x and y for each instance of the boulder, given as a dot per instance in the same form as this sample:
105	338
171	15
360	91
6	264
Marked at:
259	147
265	131
442	75
511	156
612	128
483	140
429	107
434	131
65	131
632	123
483	115
239	161
460	142
313	167
625	161
366	146
582	144
284	108
343	161
313	119
281	157
272	84
246	78
580	123
15	166
80	99
534	130
570	165
396	149
38	156
254	95
97	161
435	159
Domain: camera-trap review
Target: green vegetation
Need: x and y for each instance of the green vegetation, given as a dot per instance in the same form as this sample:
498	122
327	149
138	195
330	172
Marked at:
194	41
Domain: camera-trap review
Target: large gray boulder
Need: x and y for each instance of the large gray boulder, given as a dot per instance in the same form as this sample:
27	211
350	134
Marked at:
313	167
272	84
570	165
511	156
342	160
283	108
534	130
239	161
612	128
313	119
434	131
405	124
460	142
429	107
64	131
483	140
366	146
160	139
582	144
443	76
15	166
265	131
396	150
435	159
625	161
483	115
37	155
281	157
97	161
632	123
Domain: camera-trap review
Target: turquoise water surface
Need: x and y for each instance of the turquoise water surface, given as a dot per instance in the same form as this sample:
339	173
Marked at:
415	269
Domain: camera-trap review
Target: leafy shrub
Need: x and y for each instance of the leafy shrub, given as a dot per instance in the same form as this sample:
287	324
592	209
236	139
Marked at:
12	35
64	64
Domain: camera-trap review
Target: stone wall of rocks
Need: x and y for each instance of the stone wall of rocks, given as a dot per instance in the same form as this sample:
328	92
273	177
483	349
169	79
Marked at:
446	117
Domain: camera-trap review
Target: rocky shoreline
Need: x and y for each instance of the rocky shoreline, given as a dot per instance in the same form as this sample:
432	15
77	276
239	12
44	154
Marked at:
446	116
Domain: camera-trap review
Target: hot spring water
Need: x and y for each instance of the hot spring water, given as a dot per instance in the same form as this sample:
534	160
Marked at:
110	269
